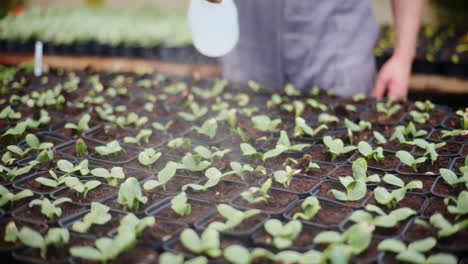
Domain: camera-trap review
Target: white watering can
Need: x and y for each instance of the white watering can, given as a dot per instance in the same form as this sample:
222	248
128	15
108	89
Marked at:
214	26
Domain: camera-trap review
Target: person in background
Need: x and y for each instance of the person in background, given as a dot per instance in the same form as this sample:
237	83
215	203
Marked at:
328	43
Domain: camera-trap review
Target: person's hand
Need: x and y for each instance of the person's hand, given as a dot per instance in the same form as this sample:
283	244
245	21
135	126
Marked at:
215	1
393	78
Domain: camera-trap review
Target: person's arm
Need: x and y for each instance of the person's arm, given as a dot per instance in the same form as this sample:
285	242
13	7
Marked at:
394	76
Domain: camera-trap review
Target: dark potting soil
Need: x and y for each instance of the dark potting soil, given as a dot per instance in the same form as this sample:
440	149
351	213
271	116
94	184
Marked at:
451	149
175	184
320	153
302	241
369	255
250	178
102	230
394	146
198	211
453	123
330	214
456	241
153	198
109	135
357	136
389	163
248	225
381	118
436	205
428	167
95	195
444	189
223	192
326	186
40	227
161	231
298	184
137	255
412	201
436	117
322	172
277	202
68	209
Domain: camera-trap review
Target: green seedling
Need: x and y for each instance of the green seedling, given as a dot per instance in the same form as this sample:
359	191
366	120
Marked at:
461	204
415	251
410	131
81	149
207	154
316	104
169	258
56	237
17	131
249	151
215	91
148	157
445	228
388	108
310	206
409	160
336	147
301	128
8	113
284	144
419	117
255	87
164	176
67	167
48	208
380	138
111	148
463	114
7	197
99	215
359	97
81	188
162	128
194	163
55	182
283	235
233	217
285	177
381	219
296	106
430	148
214	177
34	145
391	199
425	106
43	157
366	150
290	90
256	195
82	125
452	179
10	174
130	195
208	128
180	206
265	124
142	136
197	113
355	186
343	246
453	133
130	221
240	169
207	244
179	142
112	176
359	127
327	118
228	116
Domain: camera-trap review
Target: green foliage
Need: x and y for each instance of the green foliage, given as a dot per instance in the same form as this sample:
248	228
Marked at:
9	113
208	128
130	221
336	147
265	124
180	206
207	244
391	199
414	252
162	128
410	131
214	177
445	228
425	106
366	150
240	169
56	237
194	163
355	186
99	215
111	148
164	176
285	177
327	118
82	188
130	195
283	235
148	157
67	167
54	182
430	148
207	154
8	197
82	125
409	160
197	113
359	127
48	208
461	204
301	128
463	114
381	219
379	137
453	133
343	246
452	179
419	117
256	195
233	217
142	136
112	176
388	108
179	142
81	150
310	206
10	174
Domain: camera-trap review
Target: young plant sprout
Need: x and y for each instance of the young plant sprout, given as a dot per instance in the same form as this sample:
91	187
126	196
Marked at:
162	128
208	128
180	206
290	90
197	113
56	237
107	248
301	128
8	113
388	108
460	206
194	163
316	104
207	244
55	182
256	195
453	133
283	235
164	176
81	150
415	251
409	160
445	228
130	195
67	167
355	186
419	117
179	142
310	165
81	188
207	154
463	114
99	215
233	217
425	106
310	206
285	177
214	177
240	169
284	144
366	150
327	118
112	176
336	147
359	127
10	174
7	197
381	219
452	179
379	137
130	221
410	131
17	131
142	136
265	124
430	148
82	125
111	148
353	241
48	208
296	106
391	199
33	143
148	157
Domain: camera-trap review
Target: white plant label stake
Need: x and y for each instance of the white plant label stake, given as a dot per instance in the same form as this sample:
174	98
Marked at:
38	59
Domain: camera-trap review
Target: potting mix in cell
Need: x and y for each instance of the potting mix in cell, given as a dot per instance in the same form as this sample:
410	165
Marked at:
149	168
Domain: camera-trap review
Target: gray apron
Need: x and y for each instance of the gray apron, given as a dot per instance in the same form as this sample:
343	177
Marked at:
324	43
